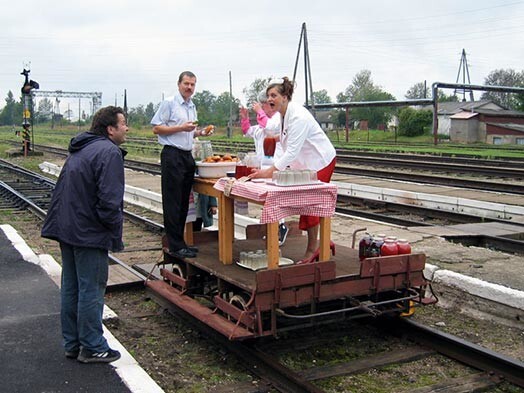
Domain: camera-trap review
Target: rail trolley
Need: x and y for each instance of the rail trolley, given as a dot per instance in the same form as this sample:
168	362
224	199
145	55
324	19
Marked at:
243	303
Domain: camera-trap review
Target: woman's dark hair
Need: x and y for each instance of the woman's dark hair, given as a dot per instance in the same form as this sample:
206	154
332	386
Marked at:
189	74
284	86
107	116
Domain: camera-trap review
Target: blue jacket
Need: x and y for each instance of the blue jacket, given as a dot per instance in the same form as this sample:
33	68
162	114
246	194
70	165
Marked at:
205	202
86	208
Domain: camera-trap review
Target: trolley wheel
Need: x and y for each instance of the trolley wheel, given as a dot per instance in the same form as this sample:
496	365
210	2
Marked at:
240	301
410	311
179	270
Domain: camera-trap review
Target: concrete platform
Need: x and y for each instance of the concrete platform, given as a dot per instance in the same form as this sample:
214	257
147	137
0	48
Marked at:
31	351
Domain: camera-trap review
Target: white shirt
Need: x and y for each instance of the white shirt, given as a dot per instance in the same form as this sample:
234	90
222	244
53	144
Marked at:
174	111
305	144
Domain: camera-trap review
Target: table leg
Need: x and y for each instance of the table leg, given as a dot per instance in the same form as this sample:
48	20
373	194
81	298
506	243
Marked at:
188	234
272	245
325	238
226	229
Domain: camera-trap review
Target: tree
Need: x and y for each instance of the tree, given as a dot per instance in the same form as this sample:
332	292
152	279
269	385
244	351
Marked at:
413	122
321	97
418	90
136	116
253	90
341	97
442	97
11	113
205	103
502	77
151	110
222	108
45	110
361	89
141	116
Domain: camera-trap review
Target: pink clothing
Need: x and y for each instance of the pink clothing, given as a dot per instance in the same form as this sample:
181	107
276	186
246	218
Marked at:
244	124
266	126
262	118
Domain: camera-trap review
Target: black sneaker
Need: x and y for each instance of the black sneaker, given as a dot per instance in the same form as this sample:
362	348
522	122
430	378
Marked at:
184	253
87	356
192	248
283	230
72	354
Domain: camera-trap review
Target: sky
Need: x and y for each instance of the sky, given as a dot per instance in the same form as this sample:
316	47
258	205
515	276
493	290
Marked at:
142	46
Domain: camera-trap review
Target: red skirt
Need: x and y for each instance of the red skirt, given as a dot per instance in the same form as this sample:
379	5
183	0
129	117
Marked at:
323	175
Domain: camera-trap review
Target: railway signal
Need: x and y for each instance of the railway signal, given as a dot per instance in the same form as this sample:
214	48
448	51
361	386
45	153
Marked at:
27	102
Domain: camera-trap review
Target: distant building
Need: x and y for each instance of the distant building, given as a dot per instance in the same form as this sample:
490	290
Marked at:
447	109
326	119
493	126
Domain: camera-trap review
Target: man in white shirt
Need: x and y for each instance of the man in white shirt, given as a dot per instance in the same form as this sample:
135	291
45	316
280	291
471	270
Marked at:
175	124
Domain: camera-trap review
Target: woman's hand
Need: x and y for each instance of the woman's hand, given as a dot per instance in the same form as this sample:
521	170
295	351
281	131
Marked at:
244	113
262	173
257	107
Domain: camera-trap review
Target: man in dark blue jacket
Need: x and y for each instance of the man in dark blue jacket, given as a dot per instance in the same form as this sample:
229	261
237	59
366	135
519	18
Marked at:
85	217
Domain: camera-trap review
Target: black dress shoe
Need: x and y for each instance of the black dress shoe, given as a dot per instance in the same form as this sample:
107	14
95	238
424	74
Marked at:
192	248
184	253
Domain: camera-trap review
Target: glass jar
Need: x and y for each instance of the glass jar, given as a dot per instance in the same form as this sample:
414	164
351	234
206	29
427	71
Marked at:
403	246
270	145
241	167
252	162
389	248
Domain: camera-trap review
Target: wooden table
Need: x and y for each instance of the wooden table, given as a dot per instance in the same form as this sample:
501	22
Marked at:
319	199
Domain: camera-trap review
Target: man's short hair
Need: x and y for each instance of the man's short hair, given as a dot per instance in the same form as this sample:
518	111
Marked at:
189	74
105	117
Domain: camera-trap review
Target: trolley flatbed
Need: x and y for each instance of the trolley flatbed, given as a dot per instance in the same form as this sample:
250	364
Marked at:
243	303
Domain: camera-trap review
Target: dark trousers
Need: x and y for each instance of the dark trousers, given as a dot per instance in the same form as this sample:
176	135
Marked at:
178	171
84	280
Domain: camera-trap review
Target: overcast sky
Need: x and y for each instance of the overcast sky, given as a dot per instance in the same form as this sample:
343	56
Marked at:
142	46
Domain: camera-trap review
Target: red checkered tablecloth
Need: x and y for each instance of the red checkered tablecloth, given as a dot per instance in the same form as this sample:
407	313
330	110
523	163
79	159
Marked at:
279	202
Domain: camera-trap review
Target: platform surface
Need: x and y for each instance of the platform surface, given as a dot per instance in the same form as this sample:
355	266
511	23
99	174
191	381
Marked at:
31	352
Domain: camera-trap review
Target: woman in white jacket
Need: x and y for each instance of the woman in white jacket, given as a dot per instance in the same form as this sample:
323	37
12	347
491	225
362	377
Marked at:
305	146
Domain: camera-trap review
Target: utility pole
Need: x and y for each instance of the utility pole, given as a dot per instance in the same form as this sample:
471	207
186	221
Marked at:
125	103
463	66
230	122
307	67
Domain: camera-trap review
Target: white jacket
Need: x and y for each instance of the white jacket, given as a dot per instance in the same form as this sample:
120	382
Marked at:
305	144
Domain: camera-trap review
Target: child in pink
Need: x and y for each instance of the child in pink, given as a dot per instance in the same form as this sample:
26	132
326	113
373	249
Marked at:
268	124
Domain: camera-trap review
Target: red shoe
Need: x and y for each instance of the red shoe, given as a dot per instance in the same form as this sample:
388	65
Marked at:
314	257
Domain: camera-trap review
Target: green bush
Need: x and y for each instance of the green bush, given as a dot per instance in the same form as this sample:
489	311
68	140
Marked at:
413	122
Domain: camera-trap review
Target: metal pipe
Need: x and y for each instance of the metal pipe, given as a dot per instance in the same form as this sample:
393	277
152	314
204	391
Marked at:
366	308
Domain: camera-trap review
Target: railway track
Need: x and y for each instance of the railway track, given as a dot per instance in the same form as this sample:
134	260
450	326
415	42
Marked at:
423	342
22	189
261	362
391	168
395	213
